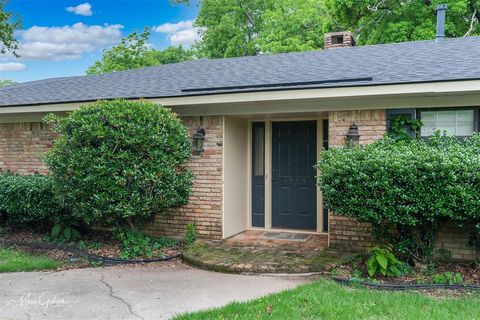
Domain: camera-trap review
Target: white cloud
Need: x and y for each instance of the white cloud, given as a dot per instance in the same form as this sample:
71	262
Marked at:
12	66
174	27
84	9
185	37
67	42
180	33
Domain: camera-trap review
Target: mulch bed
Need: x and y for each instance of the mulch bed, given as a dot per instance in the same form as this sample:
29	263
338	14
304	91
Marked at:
99	243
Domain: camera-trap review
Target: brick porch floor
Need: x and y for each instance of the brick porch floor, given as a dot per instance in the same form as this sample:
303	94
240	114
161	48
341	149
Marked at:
266	252
259	238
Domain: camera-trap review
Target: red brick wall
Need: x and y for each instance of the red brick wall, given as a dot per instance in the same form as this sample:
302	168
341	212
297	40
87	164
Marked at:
205	204
344	232
22	145
372	125
454	242
348	234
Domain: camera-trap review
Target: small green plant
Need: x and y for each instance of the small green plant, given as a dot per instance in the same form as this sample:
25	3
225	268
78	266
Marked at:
420	279
135	244
335	272
356	274
66	231
447	278
383	261
82	245
404	268
96	264
190	233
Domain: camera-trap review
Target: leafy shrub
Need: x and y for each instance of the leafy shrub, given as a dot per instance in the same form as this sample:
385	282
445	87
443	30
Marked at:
383	261
398	127
28	199
447	278
190	233
65	231
135	244
119	162
405	188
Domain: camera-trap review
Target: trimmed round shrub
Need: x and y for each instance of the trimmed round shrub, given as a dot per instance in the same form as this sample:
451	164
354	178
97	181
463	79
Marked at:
407	184
404	182
119	162
27	199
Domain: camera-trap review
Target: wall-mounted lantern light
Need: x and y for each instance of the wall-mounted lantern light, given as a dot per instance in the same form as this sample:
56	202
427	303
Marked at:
353	136
197	140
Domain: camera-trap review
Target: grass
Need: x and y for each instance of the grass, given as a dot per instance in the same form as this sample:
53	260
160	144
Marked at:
12	260
325	299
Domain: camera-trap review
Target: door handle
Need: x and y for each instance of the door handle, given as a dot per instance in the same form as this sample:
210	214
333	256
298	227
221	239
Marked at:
274	179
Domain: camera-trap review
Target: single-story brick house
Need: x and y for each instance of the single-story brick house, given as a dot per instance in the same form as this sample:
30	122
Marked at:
267	119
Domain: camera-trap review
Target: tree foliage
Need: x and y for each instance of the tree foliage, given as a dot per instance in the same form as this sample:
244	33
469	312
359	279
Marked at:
4	83
133	52
233	28
119	162
9	23
385	21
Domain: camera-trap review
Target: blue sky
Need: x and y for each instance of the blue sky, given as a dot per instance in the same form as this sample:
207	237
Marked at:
63	38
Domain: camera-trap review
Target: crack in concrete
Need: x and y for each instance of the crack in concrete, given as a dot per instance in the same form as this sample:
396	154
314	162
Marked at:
110	289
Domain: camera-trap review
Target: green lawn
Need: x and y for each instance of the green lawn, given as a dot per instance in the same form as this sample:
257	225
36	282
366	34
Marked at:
325	299
13	261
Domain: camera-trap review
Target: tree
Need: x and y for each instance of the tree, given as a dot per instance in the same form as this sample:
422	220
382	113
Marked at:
119	162
234	28
133	52
230	27
385	21
171	55
9	22
292	25
4	83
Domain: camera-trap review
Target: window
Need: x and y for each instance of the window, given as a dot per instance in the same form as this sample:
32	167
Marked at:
454	122
258	149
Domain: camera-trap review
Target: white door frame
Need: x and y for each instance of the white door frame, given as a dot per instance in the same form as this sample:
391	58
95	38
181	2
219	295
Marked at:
268	172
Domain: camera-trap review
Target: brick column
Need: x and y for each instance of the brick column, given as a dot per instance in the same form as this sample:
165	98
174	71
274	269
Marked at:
205	204
347	233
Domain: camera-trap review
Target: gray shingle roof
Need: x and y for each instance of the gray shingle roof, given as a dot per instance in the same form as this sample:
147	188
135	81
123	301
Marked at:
408	62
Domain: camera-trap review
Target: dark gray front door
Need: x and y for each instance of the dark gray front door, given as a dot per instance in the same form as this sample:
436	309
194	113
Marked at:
294	202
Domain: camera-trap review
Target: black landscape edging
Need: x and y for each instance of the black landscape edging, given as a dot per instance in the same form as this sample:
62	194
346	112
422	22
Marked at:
406	286
109	261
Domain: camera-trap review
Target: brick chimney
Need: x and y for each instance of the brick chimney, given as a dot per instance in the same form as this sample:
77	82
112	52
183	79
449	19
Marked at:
340	39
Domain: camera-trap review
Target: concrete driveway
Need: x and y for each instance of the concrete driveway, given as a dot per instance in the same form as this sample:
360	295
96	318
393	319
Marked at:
132	292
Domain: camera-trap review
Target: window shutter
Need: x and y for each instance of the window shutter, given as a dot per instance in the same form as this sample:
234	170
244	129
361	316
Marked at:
409	113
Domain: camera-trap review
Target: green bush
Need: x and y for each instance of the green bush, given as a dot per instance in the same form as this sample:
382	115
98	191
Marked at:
405	188
119	162
28	199
135	244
